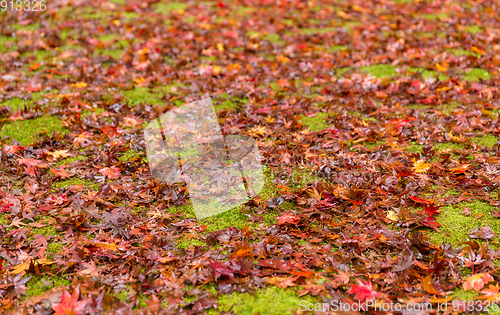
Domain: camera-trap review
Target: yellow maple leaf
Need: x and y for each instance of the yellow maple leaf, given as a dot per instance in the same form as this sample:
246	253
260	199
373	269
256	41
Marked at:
258	131
24	266
442	68
216	70
477	50
59	153
220	47
420	166
79	85
283	59
391	215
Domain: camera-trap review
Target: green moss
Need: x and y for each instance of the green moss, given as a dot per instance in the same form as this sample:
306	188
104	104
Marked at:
55	247
434	16
415	148
49	230
457	225
166	8
234	217
363	116
463	52
341	71
315	123
70	160
302	177
5	42
475	74
142	94
30	131
447	145
486	141
447	109
36	287
191	242
229	104
267	301
380	70
337	47
77	181
428	73
17	103
318	30
30	27
473	29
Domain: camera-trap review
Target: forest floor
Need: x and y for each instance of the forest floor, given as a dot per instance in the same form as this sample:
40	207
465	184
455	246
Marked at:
377	121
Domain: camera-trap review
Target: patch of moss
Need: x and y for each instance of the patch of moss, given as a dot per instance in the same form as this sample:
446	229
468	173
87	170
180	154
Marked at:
30	131
229	104
486	141
29	27
457	225
233	217
380	70
5	42
317	30
341	71
473	29
36	286
476	74
77	181
415	148
55	247
166	8
270	300
142	94
191	242
337	47
447	145
428	73
434	16
447	109
463	52
48	230
70	160
316	122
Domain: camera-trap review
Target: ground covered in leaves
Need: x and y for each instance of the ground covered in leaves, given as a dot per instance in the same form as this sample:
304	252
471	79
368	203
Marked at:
378	123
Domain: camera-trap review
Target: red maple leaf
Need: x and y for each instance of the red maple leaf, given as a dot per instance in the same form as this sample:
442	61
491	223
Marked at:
221	269
31	165
69	304
419	200
288	218
363	291
431	209
111	172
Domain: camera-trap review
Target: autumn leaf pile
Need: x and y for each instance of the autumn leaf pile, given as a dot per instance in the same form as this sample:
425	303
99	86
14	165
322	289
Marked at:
338	95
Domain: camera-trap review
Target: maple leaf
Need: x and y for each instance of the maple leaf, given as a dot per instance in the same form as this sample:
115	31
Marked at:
58	153
363	291
12	149
420	166
288	218
31	165
283	282
62	173
491	294
477	282
484	233
110	172
69	304
221	269
431	209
